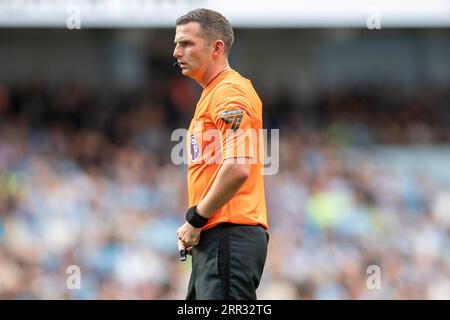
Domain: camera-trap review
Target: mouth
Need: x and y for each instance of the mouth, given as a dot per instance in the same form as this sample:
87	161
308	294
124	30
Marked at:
182	64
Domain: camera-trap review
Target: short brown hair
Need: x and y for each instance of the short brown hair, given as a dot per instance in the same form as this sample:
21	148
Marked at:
213	25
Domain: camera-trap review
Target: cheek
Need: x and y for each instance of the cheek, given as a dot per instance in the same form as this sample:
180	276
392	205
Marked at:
194	56
198	55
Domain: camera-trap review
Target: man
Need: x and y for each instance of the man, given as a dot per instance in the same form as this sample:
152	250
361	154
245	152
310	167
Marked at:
226	227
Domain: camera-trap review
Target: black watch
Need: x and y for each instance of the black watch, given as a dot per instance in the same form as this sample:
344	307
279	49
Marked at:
194	218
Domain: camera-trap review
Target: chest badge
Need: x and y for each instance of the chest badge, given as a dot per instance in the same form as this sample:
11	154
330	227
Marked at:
195	149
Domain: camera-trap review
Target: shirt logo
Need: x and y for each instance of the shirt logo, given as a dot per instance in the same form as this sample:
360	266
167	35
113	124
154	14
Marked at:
195	149
234	117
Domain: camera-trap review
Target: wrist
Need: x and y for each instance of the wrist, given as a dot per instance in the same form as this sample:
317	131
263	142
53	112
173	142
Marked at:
201	210
194	218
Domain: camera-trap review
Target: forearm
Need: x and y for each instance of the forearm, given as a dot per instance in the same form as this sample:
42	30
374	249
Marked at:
229	180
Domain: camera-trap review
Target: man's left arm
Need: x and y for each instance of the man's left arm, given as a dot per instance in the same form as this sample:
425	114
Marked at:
229	179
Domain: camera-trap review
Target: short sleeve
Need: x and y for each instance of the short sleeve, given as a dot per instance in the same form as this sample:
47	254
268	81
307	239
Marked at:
232	116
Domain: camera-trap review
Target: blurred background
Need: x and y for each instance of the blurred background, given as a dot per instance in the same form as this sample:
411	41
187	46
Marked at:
359	90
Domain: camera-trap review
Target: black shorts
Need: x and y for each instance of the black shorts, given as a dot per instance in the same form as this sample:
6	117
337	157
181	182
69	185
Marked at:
228	262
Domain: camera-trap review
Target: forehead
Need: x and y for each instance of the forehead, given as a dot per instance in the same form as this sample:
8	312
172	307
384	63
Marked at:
189	30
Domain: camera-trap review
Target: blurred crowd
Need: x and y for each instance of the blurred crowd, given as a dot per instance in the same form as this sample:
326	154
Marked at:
86	180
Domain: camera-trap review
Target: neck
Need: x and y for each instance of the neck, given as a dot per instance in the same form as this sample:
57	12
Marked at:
211	75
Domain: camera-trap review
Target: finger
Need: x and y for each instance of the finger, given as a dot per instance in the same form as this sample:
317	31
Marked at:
181	233
190	241
194	242
186	244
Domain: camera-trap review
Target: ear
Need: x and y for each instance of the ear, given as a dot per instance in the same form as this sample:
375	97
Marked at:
218	48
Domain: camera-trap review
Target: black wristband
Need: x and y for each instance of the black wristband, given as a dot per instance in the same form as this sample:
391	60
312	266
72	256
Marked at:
193	217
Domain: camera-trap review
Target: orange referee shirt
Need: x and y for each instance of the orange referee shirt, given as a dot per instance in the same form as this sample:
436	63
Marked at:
226	124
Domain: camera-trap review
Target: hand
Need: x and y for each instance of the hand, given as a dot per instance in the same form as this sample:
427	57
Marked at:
188	235
181	247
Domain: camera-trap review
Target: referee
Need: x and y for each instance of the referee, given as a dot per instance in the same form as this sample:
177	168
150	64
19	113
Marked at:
226	223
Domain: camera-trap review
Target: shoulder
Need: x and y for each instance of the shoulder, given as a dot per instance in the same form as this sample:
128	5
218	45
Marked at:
235	85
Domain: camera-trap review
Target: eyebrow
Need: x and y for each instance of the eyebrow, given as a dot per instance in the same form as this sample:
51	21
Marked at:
181	40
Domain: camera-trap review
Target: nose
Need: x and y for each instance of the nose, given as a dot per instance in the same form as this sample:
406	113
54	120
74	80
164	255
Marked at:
176	52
